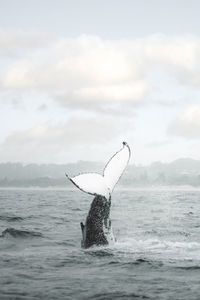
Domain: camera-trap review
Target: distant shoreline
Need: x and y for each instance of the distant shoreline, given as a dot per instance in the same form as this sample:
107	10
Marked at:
144	188
180	174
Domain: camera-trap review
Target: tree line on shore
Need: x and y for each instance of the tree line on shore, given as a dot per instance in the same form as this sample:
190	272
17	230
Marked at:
183	171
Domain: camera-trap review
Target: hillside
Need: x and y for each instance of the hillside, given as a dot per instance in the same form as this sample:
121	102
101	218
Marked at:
184	171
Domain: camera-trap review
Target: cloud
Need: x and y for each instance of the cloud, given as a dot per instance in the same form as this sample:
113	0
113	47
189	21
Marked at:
179	51
13	42
87	69
187	124
42	107
158	144
62	142
79	70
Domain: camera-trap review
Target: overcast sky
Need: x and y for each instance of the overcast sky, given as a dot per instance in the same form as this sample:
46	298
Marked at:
77	78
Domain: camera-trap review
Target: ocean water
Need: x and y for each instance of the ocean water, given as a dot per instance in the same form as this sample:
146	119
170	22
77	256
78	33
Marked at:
156	256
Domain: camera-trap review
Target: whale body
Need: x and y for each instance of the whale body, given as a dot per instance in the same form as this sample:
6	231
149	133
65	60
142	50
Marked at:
97	229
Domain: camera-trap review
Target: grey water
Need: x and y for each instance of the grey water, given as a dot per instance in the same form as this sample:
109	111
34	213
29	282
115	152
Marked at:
156	256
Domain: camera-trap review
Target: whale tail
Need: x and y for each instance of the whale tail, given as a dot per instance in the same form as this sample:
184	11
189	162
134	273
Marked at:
103	185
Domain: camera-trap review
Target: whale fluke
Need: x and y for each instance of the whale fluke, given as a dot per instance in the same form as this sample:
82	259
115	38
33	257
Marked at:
103	185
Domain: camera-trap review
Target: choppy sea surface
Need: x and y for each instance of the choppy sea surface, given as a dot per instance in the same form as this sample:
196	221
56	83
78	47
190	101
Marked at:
156	256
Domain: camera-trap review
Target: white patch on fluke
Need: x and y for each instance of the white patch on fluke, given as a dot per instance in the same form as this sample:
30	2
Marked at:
96	184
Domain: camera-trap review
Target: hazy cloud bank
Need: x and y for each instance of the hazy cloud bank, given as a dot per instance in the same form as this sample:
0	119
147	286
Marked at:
187	124
110	91
14	43
58	142
88	69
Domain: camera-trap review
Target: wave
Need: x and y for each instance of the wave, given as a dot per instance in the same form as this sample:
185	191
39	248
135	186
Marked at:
16	233
155	243
99	252
160	249
11	218
187	268
117	295
136	262
161	233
